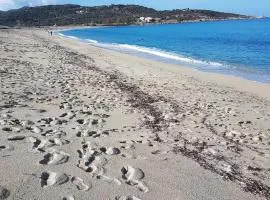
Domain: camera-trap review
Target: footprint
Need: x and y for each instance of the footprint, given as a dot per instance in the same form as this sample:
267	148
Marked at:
80	121
27	123
16	138
110	180
68	115
55	158
4	193
88	133
63	115
39	145
133	177
7	129
126	198
6	148
36	130
80	185
141	186
52	178
110	150
60	142
90	160
36	144
68	198
130	173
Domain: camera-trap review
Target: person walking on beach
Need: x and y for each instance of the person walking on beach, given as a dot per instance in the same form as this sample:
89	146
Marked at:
50	33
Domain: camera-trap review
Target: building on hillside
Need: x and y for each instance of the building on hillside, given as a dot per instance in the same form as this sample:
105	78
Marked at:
148	19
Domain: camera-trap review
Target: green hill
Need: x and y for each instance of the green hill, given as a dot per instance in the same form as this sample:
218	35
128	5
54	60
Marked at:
107	15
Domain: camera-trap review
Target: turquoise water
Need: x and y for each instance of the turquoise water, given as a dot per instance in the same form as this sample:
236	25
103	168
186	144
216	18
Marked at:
235	47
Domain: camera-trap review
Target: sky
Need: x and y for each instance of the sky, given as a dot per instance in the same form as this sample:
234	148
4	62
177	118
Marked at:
250	7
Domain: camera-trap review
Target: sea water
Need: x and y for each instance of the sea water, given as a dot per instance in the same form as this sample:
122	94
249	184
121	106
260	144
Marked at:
234	47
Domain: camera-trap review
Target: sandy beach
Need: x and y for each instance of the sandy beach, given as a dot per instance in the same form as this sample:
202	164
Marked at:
80	122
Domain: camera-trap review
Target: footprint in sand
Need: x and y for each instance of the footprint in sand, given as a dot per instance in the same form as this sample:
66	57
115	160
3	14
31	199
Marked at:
91	161
4	193
39	145
68	198
79	183
87	133
6	148
130	173
110	150
126	198
69	115
16	138
7	129
55	158
133	176
36	130
52	178
60	142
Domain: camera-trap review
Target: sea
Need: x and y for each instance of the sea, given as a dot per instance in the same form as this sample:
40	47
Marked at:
233	47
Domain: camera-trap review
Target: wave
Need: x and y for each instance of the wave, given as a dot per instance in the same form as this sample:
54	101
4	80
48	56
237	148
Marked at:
168	55
92	41
68	36
61	34
72	37
150	51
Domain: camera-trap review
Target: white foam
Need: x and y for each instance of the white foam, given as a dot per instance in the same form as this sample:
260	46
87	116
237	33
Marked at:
168	55
72	37
68	36
61	34
150	51
92	41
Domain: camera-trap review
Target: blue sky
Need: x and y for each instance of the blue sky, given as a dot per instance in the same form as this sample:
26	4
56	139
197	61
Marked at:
251	7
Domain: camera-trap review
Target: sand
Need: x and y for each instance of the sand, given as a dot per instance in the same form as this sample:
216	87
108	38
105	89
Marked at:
80	122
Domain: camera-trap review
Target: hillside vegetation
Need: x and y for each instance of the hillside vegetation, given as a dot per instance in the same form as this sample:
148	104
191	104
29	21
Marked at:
106	15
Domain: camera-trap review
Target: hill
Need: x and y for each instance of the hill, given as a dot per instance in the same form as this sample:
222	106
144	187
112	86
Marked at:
107	15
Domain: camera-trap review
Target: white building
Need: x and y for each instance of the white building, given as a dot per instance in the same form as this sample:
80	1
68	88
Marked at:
142	19
148	19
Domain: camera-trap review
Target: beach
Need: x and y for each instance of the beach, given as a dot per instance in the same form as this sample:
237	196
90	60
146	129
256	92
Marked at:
82	122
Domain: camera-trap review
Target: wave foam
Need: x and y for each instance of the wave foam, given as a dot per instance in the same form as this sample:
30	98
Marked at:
68	36
168	55
73	37
92	41
149	51
61	34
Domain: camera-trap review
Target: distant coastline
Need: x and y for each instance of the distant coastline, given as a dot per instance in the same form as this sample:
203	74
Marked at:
113	15
72	27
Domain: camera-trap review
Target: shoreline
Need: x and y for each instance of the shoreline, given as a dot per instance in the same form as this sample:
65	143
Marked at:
237	82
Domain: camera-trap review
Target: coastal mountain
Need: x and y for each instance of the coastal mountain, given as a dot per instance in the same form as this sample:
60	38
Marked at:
104	15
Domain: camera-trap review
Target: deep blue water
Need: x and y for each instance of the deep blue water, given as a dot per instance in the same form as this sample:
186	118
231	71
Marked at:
234	47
